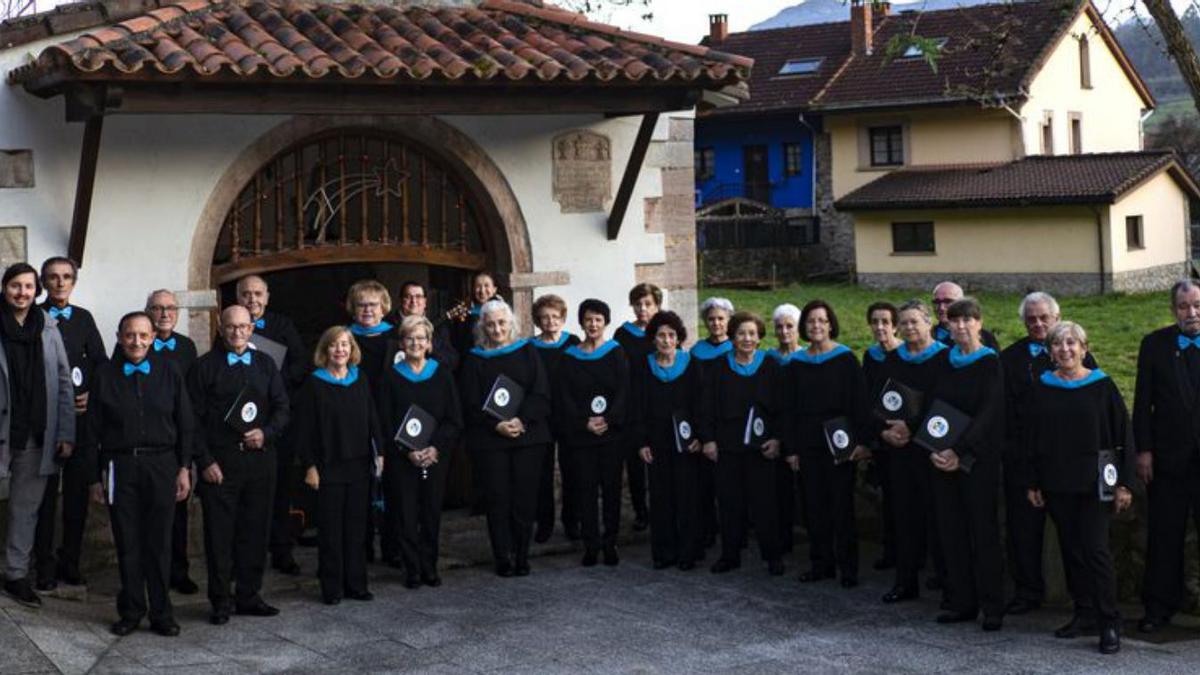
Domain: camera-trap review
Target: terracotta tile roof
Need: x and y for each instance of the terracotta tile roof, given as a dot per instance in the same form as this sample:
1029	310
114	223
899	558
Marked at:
1039	180
503	40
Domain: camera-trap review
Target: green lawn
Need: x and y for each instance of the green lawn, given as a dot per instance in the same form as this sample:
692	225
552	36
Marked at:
1115	323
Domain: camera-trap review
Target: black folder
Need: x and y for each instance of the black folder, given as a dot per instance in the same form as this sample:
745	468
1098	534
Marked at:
247	411
839	437
417	429
1106	480
276	350
756	429
683	432
898	401
504	399
942	427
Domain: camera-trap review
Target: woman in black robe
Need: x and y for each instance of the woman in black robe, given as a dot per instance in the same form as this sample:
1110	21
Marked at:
550	315
882	318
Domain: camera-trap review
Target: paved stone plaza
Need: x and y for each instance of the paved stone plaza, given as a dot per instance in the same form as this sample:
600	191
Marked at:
565	618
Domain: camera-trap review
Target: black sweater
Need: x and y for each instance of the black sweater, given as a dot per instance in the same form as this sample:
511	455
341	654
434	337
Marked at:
552	354
184	354
214	385
818	389
377	351
977	389
298	361
433	390
85	349
337	428
658	396
600	378
141	410
915	372
479	370
1021	370
1065	429
727	399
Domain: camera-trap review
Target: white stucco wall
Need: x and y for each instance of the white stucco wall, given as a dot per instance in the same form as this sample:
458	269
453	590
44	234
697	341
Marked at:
157	172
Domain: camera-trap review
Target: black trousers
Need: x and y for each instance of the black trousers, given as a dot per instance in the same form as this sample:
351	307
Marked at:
785	490
746	485
710	525
509	480
237	521
832	529
141	512
179	541
674	507
966	510
1025	527
1082	522
286	477
419	518
75	478
887	508
597	471
916	533
635	471
341	530
545	506
1173	497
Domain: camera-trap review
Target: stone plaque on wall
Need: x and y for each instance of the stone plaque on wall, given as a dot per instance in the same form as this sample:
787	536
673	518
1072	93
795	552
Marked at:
12	246
582	171
16	168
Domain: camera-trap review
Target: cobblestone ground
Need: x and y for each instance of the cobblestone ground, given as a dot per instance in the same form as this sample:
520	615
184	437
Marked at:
564	618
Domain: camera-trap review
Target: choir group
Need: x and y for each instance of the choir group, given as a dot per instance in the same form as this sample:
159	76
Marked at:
731	436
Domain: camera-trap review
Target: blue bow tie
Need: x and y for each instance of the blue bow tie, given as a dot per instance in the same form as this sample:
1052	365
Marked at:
1036	349
260	324
64	312
168	345
143	368
1185	341
234	359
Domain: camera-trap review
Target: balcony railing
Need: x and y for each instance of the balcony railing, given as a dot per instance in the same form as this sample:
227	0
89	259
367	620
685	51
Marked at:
756	191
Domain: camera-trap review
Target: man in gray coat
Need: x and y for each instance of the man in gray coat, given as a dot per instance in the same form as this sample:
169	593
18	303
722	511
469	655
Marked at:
37	416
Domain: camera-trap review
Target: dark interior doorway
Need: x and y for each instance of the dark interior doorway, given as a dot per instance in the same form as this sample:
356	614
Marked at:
755	174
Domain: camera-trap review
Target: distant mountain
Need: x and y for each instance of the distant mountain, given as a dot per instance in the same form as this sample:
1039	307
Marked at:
828	11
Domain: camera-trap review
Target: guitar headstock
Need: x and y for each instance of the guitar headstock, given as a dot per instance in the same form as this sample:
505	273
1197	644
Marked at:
459	312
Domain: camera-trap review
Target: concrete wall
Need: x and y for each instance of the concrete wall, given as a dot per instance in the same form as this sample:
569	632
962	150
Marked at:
1164	211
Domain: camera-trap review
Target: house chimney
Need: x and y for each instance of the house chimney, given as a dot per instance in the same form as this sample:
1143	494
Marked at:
881	9
861	28
718	28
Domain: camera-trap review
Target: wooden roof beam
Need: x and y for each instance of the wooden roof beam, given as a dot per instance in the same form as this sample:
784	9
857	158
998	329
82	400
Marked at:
636	158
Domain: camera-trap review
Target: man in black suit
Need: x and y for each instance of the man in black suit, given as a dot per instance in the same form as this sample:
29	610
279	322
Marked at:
945	294
1166	428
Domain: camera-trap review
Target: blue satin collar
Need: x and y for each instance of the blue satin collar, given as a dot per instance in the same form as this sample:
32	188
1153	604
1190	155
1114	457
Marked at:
922	356
941	334
406	371
779	356
707	351
596	354
1036	349
633	329
324	375
877	353
1051	380
960	360
499	351
682	359
748	369
381	327
804	357
562	339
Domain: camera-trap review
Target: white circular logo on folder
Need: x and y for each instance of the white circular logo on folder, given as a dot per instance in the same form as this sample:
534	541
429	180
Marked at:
937	426
413	428
398	357
501	397
249	412
1110	475
759	426
77	376
251	345
892	400
685	431
841	439
599	405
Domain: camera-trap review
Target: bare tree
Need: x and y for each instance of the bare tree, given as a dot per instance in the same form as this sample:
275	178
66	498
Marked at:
1182	52
602	9
11	9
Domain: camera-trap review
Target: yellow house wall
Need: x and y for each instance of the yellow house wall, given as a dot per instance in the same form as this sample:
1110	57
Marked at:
1110	111
984	241
1163	208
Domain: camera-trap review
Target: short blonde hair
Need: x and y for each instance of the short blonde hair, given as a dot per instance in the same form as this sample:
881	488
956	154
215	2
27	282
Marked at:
410	323
361	288
1064	329
321	353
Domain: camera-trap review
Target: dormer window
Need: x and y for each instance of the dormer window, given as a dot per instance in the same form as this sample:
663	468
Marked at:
916	50
801	66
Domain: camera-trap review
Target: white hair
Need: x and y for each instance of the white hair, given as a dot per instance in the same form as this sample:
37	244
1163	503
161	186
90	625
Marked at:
1064	329
1038	298
788	310
160	291
491	307
951	284
710	304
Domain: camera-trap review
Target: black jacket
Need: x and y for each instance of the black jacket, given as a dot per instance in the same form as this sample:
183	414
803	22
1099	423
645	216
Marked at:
433	391
977	389
214	385
336	427
819	389
1021	371
298	361
588	379
1166	407
659	396
729	395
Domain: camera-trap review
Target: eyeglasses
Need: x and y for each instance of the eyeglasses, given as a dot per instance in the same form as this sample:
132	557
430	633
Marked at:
238	327
368	305
943	301
164	309
415	339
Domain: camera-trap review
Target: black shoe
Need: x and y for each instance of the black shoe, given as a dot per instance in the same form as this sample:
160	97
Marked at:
123	627
722	566
611	558
165	628
69	574
993	623
572	531
431	580
663	564
184	585
361	596
412	583
814	575
504	569
775	567
332	599
22	592
884	563
542	535
957	617
686	565
259	608
521	569
849	582
1151	624
1020	606
286	564
395	563
1110	640
590	557
640	522
933	584
1074	628
220	617
900	594
45	584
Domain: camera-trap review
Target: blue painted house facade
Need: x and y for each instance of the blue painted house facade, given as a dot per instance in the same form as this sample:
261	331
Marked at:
764	158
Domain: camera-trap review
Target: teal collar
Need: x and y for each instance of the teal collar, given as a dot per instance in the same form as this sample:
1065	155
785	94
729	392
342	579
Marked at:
542	344
804	357
405	371
633	329
779	356
324	375
877	353
707	351
596	354
682	359
381	327
1051	380
748	369
922	356
499	351
960	360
